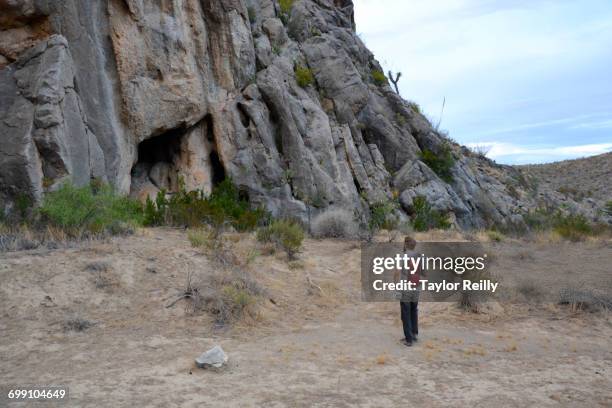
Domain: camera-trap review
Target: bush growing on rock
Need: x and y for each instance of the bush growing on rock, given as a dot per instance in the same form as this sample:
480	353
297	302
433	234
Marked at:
286	6
426	218
608	208
286	235
303	76
379	77
441	163
285	10
335	224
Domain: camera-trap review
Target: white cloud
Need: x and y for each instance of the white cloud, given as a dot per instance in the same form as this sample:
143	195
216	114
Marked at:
588	121
604	124
510	70
520	154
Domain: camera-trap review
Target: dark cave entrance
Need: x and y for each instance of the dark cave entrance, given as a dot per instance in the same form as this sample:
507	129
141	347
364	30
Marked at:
218	172
180	155
162	148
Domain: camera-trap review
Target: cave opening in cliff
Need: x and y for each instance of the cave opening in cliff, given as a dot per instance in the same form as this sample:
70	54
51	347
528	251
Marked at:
163	148
218	172
156	163
184	157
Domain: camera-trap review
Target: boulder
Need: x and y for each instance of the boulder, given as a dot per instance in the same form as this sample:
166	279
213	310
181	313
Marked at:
213	358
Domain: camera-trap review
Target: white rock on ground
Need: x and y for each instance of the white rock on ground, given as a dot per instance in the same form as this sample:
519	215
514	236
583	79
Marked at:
215	357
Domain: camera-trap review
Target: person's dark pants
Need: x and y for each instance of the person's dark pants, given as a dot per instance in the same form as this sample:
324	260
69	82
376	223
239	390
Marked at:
410	320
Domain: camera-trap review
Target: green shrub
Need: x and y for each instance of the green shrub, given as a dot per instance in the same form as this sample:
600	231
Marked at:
539	219
286	6
90	209
224	206
285	234
199	238
252	14
303	76
238	298
285	10
379	77
608	208
495	236
572	227
416	108
382	216
441	163
23	204
426	218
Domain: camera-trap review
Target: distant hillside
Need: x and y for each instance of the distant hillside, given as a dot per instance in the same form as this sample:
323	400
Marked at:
584	181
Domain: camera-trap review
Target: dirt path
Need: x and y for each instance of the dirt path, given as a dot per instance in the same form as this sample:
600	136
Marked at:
305	351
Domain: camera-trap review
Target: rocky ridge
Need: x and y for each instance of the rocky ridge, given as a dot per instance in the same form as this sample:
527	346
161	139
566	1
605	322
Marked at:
143	93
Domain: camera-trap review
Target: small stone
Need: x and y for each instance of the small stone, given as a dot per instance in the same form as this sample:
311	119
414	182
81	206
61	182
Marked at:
215	357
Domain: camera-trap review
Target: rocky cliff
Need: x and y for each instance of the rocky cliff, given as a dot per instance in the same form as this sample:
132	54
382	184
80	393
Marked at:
142	93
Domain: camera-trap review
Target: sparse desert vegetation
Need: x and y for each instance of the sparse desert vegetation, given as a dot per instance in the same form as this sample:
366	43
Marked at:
173	299
285	234
335	223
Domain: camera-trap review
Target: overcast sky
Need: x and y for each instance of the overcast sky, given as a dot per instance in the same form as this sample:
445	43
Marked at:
531	79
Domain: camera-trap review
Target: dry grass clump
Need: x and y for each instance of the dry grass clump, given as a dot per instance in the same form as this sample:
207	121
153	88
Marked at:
215	245
230	296
495	236
530	290
97	266
476	350
17	239
77	324
473	301
23	238
335	223
584	300
100	270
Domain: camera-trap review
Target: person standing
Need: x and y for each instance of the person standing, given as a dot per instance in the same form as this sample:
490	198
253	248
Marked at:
409	302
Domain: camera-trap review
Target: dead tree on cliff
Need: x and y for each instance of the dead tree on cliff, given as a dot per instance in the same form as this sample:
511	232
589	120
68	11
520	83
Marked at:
395	80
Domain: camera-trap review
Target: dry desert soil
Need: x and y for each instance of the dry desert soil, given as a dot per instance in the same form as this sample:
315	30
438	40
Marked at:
299	346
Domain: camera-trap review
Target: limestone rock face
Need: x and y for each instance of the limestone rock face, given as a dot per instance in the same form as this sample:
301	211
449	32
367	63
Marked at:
144	94
45	136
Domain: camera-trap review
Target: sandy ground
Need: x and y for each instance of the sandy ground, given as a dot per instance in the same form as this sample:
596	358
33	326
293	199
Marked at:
307	349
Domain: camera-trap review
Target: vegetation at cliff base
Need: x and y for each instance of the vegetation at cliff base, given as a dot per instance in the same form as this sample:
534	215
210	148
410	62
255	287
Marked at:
426	218
224	207
382	216
573	227
94	209
285	234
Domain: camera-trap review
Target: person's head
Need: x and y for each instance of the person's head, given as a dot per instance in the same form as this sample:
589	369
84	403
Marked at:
409	243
